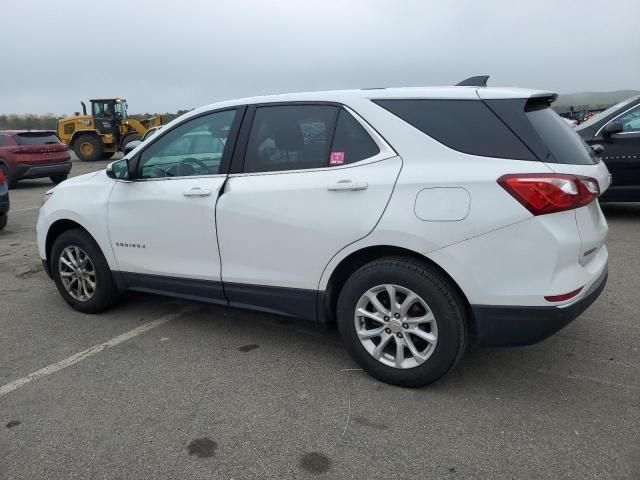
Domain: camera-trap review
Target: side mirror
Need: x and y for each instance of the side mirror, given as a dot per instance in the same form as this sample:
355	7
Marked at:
118	170
597	148
612	128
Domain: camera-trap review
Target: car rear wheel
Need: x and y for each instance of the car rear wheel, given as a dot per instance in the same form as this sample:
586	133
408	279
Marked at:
81	272
58	178
4	218
402	321
88	148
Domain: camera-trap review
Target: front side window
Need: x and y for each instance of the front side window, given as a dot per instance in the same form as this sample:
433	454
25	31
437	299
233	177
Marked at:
193	148
630	120
290	137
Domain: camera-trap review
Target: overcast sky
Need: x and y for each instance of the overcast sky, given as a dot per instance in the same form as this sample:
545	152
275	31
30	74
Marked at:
165	55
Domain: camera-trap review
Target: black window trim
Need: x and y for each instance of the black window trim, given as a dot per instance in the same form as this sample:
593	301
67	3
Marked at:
237	163
225	161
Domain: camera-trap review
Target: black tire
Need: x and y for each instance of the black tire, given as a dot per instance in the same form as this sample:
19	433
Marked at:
88	148
11	183
108	155
58	178
106	292
4	218
442	298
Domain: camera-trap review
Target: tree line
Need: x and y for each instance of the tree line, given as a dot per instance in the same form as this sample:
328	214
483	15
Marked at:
48	121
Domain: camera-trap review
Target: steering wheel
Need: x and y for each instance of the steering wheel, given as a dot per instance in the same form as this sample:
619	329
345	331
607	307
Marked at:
186	167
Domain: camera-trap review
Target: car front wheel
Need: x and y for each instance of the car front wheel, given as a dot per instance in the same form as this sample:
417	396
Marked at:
402	321
81	272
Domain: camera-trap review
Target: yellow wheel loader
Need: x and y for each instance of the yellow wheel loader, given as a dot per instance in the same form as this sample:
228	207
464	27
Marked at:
105	131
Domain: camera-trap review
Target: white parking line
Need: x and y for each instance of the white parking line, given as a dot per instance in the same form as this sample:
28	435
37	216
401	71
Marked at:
23	209
78	357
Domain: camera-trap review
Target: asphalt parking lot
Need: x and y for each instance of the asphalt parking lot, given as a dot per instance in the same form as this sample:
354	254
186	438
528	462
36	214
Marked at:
200	391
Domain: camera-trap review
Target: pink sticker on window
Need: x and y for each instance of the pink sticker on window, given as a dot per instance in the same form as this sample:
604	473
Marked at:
336	158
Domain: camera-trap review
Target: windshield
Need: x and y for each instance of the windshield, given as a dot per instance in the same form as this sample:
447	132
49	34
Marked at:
596	118
36	138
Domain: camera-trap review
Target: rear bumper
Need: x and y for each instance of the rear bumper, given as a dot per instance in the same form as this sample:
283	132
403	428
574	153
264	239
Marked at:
25	170
515	325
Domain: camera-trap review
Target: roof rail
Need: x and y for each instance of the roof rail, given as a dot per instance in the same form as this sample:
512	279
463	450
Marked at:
478	81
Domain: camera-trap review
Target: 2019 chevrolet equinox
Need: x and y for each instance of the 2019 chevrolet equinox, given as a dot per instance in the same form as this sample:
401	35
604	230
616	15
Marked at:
414	217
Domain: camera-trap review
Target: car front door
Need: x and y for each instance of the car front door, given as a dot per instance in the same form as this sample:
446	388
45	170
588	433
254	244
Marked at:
302	194
622	150
162	223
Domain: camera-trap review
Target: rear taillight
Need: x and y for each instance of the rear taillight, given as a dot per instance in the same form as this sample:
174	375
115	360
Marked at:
2	177
550	192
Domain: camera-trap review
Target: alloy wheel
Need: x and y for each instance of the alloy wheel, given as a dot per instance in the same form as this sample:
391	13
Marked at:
77	273
396	326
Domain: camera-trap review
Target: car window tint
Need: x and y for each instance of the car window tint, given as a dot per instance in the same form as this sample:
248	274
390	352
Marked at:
351	142
290	137
564	144
468	126
193	148
2	137
630	120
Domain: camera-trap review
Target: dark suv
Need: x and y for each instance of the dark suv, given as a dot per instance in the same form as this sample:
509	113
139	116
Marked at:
617	130
4	200
33	154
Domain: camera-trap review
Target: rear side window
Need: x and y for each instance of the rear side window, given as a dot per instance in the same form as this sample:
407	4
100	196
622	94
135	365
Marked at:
298	137
2	139
36	138
468	126
351	142
290	137
564	144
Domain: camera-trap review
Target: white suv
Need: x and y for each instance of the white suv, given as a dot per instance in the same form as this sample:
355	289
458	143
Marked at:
413	217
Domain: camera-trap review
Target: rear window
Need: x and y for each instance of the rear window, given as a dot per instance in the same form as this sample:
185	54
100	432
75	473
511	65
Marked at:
36	138
564	144
468	126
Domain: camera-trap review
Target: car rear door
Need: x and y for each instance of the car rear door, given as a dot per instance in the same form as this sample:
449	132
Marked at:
302	190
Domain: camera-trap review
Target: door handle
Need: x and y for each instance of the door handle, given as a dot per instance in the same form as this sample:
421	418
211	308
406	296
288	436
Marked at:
197	192
343	185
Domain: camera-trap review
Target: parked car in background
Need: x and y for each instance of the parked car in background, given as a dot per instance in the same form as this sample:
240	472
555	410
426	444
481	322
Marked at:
4	200
390	211
33	154
149	133
616	131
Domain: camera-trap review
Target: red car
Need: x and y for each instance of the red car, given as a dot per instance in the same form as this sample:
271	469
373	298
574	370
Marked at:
33	154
